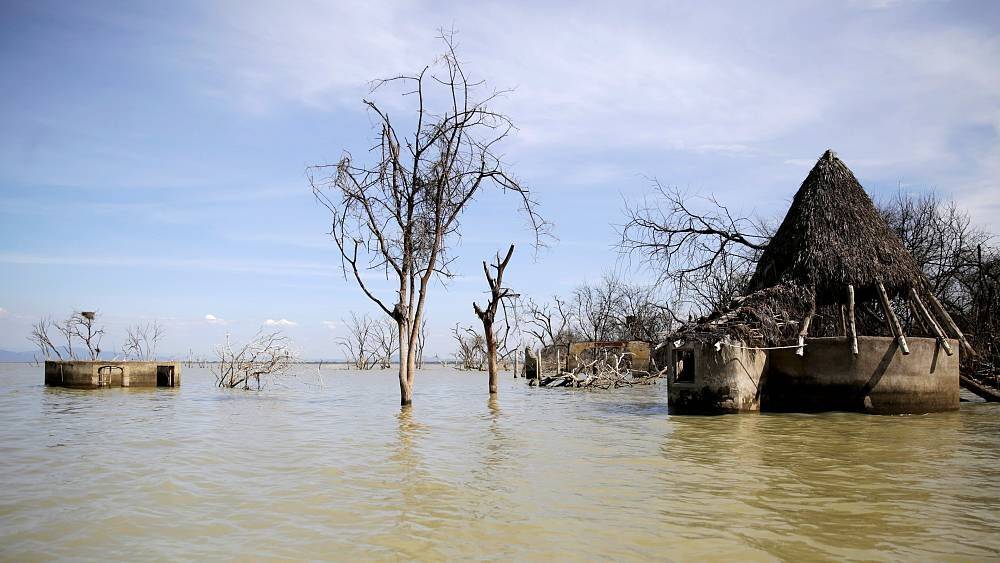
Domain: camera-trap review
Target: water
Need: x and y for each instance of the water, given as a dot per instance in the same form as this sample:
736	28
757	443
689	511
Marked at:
332	468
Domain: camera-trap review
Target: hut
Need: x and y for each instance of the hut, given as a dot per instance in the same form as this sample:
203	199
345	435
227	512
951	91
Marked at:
97	374
819	325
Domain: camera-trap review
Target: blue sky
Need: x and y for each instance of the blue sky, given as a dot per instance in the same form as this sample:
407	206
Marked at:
152	154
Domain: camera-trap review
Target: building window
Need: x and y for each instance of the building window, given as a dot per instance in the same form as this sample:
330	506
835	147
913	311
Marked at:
683	366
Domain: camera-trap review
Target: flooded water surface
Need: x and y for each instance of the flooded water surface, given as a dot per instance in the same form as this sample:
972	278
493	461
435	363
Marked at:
330	467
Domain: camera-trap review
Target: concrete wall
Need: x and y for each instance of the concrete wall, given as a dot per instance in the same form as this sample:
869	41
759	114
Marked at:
86	374
725	381
879	380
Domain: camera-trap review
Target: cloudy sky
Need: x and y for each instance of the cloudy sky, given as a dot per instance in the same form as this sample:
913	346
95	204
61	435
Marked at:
152	154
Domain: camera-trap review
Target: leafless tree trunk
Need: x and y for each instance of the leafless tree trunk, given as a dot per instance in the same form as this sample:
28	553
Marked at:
398	214
488	314
421	341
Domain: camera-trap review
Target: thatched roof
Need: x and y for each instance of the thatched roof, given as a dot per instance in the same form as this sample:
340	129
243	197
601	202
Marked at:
833	236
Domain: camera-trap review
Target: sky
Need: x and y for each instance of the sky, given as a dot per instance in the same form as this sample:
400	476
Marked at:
153	154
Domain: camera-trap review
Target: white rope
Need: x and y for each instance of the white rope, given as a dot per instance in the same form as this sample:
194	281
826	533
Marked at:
771	348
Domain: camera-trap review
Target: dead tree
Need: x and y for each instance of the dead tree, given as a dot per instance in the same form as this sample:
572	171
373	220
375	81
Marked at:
78	326
488	314
471	351
142	340
421	341
386	342
399	213
358	345
266	355
81	326
40	337
550	323
694	243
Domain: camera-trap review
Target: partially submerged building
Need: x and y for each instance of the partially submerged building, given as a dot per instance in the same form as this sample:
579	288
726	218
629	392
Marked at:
819	326
633	354
94	374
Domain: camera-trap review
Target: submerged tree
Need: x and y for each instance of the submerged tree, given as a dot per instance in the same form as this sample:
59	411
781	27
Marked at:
488	313
358	344
471	347
266	355
399	213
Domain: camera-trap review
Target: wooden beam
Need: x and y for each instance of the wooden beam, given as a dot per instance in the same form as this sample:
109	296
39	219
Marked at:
929	320
890	315
843	321
948	321
852	326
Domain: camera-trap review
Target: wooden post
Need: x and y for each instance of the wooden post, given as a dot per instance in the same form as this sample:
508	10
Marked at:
929	320
515	366
558	360
890	315
805	328
843	321
851	324
949	322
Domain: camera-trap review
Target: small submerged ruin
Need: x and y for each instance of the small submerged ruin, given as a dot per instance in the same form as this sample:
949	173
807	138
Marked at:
96	374
602	364
810	333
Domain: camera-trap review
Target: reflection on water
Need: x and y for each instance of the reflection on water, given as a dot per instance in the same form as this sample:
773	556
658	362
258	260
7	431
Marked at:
338	470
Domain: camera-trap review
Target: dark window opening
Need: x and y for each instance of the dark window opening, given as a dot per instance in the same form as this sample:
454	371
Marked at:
164	376
683	366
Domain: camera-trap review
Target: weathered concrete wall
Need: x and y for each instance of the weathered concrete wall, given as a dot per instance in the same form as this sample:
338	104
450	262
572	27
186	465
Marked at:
87	374
726	381
879	380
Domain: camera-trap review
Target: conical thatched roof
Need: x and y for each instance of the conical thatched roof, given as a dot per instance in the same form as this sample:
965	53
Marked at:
833	236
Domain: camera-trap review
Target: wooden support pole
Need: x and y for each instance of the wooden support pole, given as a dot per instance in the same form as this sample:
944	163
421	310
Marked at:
852	326
929	320
890	315
843	321
948	321
558	360
515	365
801	350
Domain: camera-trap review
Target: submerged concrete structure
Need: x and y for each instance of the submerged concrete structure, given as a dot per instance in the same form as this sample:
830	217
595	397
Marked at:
636	354
880	379
836	316
95	374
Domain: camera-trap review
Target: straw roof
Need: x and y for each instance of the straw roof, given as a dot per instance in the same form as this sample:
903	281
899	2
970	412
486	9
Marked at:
833	236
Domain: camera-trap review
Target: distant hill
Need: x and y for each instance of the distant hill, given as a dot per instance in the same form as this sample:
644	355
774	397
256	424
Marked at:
8	356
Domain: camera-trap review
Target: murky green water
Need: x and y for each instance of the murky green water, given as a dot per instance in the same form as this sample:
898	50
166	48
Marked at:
331	468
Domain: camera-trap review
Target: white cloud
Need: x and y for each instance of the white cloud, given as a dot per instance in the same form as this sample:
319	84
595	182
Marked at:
330	325
280	322
3	312
892	87
213	320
